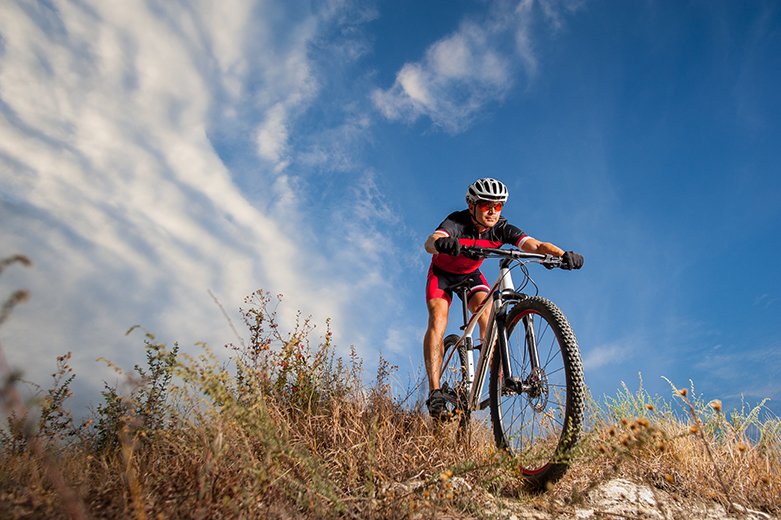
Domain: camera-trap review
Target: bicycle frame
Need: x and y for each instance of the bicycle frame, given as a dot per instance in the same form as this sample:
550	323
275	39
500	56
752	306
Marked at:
502	294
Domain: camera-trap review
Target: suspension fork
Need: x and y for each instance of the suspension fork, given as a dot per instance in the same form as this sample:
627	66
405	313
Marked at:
502	343
531	341
500	307
509	382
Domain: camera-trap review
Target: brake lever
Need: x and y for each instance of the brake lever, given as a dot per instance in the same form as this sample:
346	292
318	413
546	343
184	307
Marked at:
551	262
473	253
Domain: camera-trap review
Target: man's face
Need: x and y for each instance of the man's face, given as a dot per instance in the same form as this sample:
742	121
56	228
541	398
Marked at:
486	213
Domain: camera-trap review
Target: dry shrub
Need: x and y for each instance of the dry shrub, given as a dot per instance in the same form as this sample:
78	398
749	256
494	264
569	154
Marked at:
287	429
694	451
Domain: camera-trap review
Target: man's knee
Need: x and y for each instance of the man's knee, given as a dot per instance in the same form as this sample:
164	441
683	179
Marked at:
437	315
476	300
437	319
437	323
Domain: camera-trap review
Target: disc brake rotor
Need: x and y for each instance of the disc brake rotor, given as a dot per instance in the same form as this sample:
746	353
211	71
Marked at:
538	394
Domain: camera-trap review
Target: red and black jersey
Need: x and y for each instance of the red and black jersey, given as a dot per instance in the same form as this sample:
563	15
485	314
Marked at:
459	224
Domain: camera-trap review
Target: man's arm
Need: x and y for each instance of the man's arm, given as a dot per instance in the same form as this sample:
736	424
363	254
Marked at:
532	245
429	245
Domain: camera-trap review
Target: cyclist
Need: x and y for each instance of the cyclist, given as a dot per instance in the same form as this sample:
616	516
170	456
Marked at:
481	224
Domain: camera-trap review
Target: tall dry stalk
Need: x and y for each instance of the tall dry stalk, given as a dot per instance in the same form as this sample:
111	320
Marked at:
17	411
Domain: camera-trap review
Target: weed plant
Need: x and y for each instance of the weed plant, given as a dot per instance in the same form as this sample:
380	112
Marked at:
287	429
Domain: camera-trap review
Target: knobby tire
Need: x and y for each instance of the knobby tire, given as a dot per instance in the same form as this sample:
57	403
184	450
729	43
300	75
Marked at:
539	428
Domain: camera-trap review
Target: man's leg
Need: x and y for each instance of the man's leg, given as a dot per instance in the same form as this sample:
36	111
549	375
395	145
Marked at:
475	301
433	348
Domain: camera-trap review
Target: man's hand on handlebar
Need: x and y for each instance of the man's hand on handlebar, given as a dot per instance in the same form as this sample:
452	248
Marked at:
448	246
571	260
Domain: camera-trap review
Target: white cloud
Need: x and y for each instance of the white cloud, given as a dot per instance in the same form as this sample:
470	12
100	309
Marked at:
764	301
456	77
451	57
272	137
414	84
554	11
335	148
743	369
523	38
605	355
468	69
113	184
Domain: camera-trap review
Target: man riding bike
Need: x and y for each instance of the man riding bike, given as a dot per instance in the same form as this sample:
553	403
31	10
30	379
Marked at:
482	225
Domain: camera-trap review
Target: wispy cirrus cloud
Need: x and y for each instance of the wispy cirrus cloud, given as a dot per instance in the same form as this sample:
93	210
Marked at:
606	355
146	155
556	11
742	370
476	65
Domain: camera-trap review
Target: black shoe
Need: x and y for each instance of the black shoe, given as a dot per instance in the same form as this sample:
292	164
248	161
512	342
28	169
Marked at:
436	404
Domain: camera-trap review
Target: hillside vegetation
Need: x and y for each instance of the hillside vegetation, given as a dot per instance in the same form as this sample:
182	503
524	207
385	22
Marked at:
286	429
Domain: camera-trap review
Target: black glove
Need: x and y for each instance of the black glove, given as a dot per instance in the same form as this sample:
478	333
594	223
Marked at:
448	245
571	260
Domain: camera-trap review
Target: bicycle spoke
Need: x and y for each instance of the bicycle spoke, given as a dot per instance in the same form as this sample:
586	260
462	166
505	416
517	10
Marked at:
553	352
554	372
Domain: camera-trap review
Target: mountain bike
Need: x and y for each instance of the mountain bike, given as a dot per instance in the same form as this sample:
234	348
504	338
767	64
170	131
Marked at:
536	388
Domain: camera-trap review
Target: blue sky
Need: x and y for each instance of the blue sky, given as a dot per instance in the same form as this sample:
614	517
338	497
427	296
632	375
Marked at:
152	152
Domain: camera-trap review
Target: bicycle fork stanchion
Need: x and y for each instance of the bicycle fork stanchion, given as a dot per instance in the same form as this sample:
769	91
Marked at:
531	341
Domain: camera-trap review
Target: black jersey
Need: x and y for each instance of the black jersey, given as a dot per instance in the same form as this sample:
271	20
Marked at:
459	224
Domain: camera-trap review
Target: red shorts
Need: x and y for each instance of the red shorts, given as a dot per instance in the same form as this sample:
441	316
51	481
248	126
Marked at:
440	284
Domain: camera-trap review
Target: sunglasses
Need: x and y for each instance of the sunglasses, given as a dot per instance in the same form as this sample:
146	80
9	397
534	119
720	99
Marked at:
485	205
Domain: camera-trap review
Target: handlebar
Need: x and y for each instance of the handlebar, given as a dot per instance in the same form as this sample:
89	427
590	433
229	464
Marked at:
548	261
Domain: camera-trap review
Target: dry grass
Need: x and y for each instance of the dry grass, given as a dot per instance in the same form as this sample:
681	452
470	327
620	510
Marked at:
288	430
691	451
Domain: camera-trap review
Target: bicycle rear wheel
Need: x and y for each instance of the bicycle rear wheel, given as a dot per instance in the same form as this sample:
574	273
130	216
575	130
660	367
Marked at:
453	380
537	414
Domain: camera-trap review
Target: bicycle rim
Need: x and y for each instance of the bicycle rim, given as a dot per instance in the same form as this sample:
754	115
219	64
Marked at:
539	426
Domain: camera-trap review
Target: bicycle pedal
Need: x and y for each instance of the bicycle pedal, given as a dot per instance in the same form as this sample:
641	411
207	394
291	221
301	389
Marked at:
450	416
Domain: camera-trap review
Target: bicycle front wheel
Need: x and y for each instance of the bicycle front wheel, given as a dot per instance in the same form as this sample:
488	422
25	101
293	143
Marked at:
537	413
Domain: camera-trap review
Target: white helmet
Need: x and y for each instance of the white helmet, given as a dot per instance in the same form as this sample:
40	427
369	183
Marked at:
486	189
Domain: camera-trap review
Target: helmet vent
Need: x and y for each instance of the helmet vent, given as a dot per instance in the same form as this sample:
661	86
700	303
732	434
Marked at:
486	189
